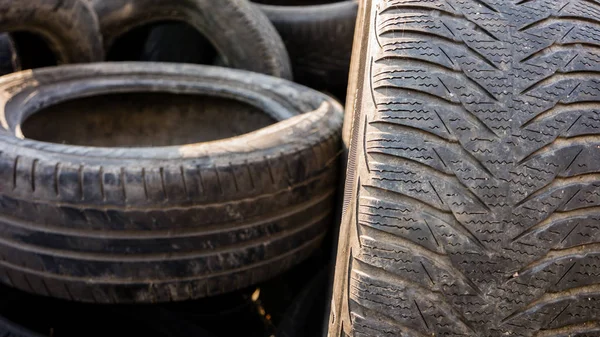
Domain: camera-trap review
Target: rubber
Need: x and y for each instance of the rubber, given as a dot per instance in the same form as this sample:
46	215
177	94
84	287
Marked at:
8	57
472	194
241	34
319	41
171	223
69	27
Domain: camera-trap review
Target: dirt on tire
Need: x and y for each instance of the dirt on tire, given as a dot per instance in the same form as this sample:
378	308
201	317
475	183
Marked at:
471	205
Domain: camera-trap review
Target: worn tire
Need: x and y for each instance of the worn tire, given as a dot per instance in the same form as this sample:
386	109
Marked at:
165	223
69	27
242	35
319	41
472	195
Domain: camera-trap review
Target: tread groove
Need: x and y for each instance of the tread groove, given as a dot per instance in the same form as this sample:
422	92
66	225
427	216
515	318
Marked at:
56	179
421	314
33	167
15	170
122	181
80	181
183	181
101	183
162	183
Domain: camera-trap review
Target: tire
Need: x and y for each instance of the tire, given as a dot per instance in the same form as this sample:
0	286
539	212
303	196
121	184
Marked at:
471	198
69	27
164	223
319	41
8	58
242	35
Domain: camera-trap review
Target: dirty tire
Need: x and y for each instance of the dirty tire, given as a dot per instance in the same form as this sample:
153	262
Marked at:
8	57
319	41
163	224
472	200
69	27
241	34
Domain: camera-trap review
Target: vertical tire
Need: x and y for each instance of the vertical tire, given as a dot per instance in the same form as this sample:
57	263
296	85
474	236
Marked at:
472	197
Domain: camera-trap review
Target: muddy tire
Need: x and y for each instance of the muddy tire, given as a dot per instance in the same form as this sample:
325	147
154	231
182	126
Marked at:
69	27
319	41
472	194
157	224
241	34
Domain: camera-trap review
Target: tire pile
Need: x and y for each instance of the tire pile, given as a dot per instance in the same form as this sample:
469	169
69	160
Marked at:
160	173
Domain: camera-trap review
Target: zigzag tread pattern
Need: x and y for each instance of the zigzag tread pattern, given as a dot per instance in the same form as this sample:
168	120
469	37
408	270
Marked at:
478	204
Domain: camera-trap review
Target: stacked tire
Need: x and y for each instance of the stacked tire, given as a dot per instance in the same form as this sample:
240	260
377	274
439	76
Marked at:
472	192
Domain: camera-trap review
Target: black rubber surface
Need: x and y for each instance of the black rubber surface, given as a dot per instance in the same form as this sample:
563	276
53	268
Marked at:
242	35
156	224
472	198
319	39
69	27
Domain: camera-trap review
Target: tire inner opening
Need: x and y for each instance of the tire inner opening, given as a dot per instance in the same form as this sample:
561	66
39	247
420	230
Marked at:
144	120
164	41
32	50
